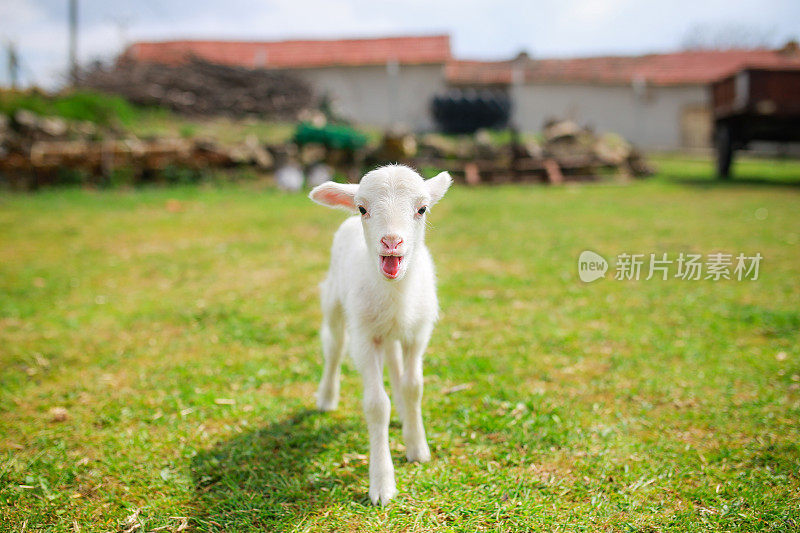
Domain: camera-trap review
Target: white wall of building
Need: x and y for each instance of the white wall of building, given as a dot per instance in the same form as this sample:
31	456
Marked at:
650	119
380	95
384	96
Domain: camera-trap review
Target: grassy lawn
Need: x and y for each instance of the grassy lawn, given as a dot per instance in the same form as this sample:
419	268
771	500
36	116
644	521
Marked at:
158	356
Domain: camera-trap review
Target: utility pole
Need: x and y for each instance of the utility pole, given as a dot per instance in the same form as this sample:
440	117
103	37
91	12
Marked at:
13	64
393	75
73	41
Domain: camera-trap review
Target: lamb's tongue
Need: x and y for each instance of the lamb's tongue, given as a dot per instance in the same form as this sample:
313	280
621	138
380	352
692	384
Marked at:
390	265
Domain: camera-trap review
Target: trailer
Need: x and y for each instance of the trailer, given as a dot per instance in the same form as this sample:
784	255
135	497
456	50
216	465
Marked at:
754	104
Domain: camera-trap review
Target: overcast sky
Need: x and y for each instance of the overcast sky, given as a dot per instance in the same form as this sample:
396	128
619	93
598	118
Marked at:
479	28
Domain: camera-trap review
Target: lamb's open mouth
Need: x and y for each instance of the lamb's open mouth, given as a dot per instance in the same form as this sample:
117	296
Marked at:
390	265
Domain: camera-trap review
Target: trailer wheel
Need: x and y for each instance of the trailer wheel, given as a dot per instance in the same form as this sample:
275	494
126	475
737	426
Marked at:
724	148
466	111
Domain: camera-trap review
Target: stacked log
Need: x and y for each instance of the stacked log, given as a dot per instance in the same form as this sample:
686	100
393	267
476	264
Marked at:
566	152
35	150
198	87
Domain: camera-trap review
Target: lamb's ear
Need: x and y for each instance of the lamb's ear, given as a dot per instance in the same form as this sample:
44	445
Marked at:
332	194
438	185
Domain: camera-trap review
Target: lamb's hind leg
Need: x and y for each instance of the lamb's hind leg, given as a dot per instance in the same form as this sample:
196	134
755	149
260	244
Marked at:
333	341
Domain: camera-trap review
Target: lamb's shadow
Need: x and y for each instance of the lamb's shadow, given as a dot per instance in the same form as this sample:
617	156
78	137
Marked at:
274	476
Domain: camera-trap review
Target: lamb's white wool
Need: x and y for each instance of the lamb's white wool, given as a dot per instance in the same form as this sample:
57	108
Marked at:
380	297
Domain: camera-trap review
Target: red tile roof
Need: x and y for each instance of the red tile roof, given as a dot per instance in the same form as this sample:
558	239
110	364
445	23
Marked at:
298	54
470	72
679	68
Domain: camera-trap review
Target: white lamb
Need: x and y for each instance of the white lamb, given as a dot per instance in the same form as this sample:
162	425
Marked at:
380	296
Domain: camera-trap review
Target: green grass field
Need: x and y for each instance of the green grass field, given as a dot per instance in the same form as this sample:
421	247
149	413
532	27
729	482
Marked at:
158	356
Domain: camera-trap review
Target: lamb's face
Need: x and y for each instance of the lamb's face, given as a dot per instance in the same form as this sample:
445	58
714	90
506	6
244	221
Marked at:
393	202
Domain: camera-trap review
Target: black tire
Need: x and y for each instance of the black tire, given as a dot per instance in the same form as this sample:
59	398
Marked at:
468	110
723	143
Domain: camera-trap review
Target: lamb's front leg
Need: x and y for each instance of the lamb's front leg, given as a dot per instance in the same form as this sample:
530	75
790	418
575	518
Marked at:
382	486
413	429
394	360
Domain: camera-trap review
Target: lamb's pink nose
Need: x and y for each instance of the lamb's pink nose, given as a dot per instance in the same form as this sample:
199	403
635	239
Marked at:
392	242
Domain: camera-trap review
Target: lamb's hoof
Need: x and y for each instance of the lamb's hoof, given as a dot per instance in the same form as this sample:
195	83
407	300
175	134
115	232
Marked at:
419	453
327	404
383	492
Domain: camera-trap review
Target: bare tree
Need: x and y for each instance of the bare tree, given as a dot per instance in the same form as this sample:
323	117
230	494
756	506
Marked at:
726	36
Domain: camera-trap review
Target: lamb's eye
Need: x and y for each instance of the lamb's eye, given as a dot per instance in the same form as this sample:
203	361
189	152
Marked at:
421	210
362	210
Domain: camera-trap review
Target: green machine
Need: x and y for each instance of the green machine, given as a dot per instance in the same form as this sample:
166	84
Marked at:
332	136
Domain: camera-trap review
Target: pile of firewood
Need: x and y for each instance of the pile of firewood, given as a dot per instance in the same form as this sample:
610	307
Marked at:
563	152
36	151
201	88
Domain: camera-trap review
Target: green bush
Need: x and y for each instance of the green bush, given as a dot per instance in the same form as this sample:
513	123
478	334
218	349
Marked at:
175	175
72	177
102	109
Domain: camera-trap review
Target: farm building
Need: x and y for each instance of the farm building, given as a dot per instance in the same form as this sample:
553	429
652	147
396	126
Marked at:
661	101
372	81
